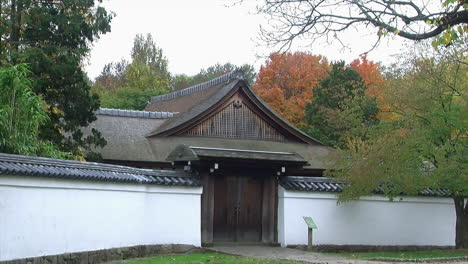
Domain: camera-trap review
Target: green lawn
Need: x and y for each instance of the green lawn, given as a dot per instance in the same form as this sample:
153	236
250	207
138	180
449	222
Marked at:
199	258
407	255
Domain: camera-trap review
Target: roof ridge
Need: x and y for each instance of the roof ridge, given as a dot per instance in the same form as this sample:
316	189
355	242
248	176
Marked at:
73	164
134	113
310	178
196	88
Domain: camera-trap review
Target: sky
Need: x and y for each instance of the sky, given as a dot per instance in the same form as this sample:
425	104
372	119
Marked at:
197	34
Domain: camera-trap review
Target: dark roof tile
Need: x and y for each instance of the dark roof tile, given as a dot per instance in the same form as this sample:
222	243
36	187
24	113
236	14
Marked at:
134	113
54	168
323	184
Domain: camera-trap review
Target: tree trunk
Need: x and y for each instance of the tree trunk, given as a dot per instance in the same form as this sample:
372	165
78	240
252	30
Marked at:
461	230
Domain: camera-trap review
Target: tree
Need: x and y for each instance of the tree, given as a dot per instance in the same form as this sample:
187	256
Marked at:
371	75
326	19
340	108
182	81
287	80
425	147
21	114
53	38
130	85
145	52
373	79
112	76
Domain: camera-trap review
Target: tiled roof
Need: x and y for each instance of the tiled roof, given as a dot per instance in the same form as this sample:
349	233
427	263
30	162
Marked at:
323	184
196	88
91	171
134	113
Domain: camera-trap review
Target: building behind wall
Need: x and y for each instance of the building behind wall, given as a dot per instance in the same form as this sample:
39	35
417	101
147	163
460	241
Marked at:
242	151
224	133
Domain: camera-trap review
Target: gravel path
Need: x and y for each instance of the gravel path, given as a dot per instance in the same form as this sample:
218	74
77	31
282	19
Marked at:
279	253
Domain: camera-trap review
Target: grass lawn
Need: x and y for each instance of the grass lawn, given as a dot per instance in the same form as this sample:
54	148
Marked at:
198	258
407	255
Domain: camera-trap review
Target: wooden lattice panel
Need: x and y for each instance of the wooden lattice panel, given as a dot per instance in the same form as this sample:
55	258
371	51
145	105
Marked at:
236	120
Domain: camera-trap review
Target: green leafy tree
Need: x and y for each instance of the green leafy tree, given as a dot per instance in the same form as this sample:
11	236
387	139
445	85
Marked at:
424	145
21	114
130	85
340	108
182	81
53	38
146	52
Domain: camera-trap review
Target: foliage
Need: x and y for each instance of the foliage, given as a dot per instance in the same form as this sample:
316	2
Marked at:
374	80
444	20
145	52
130	85
372	77
340	109
54	37
425	147
127	98
21	113
111	77
181	81
287	80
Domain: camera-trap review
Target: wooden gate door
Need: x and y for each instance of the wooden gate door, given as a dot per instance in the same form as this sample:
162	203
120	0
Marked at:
237	208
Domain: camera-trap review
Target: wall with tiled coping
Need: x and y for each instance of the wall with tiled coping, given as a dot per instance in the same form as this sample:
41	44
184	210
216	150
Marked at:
413	221
40	216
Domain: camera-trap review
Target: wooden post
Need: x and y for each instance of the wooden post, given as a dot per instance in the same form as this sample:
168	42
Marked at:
309	243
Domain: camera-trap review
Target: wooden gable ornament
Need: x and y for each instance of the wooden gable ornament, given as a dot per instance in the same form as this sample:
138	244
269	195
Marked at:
236	120
225	107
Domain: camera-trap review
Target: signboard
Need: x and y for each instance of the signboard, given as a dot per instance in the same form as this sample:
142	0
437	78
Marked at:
310	223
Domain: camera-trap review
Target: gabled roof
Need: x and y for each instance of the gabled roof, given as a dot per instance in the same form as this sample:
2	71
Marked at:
90	171
201	101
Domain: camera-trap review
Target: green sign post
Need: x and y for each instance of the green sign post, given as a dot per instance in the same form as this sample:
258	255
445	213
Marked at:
310	226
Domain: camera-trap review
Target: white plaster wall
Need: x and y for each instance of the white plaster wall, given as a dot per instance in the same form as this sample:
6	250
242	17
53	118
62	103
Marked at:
45	216
368	221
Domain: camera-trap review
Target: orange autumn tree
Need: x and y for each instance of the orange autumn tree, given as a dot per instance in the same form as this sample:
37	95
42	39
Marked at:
373	79
287	80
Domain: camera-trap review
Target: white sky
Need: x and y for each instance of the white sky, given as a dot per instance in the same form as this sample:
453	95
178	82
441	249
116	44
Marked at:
196	34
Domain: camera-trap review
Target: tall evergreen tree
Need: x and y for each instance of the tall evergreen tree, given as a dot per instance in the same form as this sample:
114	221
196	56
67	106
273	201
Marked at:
340	107
53	38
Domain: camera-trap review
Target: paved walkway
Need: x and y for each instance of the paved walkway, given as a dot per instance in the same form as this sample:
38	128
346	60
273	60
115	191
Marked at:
279	253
